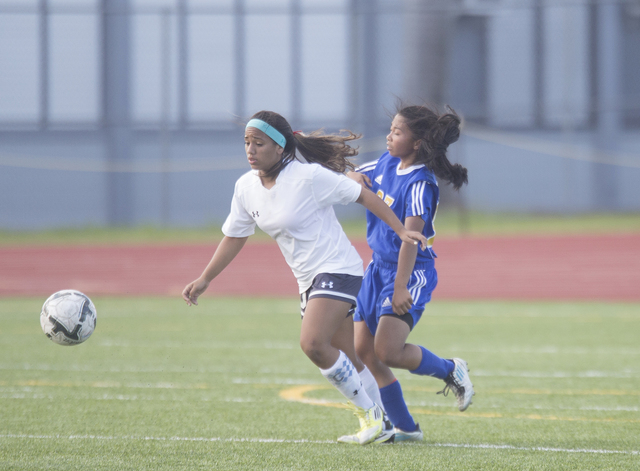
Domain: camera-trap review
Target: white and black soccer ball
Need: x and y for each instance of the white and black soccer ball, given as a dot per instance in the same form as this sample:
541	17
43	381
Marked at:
68	317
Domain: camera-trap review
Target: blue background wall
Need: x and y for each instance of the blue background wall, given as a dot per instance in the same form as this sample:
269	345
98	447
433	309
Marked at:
143	126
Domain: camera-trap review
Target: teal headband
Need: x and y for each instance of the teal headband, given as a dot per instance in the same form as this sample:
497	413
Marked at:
269	130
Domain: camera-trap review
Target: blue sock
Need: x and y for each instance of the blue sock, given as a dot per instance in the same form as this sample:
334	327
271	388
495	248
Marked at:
433	365
396	408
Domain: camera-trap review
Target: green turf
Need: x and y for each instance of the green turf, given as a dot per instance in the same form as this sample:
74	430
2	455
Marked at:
450	222
160	386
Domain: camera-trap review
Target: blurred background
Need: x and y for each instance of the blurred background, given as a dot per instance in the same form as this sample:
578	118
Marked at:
131	112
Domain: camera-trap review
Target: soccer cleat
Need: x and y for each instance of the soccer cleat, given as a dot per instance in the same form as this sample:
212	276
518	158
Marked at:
371	426
386	436
404	436
349	439
458	381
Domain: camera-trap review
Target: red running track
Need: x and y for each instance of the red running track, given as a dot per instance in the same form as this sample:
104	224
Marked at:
603	268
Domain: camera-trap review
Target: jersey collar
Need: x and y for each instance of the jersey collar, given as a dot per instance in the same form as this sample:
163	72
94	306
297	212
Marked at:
408	170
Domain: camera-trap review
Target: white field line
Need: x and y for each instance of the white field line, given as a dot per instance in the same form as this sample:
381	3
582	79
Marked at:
625	374
27	395
31	384
514	350
118	369
16	395
319	442
535	448
143	369
556	374
531	406
548	350
536	313
214	345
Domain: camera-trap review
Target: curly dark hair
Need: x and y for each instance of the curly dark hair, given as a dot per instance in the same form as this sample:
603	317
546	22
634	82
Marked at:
436	132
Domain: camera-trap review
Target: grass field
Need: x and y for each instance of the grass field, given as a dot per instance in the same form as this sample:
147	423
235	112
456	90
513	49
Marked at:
224	385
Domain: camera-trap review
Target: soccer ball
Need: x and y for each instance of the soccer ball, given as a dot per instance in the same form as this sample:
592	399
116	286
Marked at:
68	317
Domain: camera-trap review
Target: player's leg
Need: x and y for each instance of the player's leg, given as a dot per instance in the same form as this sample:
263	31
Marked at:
365	323
370	300
391	347
343	340
364	342
393	350
322	322
389	387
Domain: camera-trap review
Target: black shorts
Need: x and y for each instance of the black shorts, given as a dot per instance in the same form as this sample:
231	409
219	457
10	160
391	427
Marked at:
333	286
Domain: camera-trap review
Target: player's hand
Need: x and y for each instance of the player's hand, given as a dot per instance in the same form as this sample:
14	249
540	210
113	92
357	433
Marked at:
360	178
193	290
401	301
414	238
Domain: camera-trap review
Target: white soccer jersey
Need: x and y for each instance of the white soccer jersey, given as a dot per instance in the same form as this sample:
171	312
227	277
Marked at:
298	213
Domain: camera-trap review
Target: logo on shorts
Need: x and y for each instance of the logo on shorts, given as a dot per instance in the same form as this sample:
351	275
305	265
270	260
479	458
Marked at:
327	285
254	214
386	302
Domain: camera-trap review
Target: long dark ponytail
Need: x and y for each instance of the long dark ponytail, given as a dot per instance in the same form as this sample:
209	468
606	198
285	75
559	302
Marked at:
332	151
436	132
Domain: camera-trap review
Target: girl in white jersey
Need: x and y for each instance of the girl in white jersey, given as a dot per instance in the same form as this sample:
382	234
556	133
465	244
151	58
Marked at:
292	202
399	281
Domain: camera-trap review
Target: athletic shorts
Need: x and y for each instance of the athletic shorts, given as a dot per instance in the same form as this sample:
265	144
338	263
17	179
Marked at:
333	286
374	299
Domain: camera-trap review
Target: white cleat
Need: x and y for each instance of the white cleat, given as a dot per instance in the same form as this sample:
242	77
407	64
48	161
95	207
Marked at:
404	436
459	382
371	426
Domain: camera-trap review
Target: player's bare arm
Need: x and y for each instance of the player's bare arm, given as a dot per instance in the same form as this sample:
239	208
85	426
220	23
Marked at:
226	251
361	178
402	301
378	207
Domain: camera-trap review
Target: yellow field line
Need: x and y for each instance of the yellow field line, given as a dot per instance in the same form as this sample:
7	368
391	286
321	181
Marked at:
297	394
300	390
496	415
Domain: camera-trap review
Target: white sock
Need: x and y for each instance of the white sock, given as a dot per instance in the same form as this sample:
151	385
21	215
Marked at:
371	386
344	376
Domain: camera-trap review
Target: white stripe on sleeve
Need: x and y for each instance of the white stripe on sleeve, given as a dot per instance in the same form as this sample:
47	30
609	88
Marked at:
367	167
417	196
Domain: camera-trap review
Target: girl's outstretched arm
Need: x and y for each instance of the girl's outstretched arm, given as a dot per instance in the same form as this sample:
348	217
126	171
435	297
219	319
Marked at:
401	301
227	250
378	207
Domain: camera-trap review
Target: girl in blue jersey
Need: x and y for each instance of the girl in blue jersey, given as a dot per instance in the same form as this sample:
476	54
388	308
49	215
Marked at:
400	279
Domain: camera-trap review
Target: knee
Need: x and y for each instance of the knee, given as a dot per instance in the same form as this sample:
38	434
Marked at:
314	349
367	355
389	356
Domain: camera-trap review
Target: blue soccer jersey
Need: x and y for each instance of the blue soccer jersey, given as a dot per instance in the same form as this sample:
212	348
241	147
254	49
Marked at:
408	192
